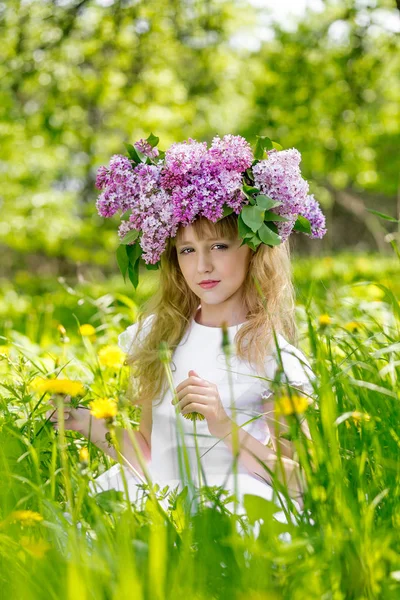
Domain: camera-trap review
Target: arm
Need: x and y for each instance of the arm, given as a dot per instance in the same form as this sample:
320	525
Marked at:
252	451
95	431
278	426
97	435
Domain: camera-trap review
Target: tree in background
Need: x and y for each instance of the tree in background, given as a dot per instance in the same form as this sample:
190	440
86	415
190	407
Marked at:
332	89
81	77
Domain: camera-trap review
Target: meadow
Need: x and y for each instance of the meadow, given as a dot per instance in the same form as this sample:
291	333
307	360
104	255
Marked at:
58	540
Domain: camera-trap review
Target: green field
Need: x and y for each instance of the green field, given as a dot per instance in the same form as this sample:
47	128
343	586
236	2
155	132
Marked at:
79	545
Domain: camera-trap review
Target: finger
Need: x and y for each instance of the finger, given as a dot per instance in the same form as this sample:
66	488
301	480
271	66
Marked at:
190	398
53	417
192	380
193	389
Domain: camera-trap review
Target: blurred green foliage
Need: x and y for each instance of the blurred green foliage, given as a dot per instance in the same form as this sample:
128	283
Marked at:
79	78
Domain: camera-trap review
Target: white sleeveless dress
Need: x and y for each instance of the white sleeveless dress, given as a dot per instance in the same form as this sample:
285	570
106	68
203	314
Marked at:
201	350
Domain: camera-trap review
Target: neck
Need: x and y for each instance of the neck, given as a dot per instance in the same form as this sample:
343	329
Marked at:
213	316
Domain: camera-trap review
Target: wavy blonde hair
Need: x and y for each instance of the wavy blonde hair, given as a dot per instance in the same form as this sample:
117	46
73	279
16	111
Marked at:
268	294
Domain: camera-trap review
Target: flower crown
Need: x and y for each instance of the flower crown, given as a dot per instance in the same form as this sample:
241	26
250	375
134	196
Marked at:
158	191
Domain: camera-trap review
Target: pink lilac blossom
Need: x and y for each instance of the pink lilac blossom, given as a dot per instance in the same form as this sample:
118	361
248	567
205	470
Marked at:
117	183
138	190
233	151
145	148
311	210
201	181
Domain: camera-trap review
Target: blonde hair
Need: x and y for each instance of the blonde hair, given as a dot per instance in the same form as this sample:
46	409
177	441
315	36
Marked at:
174	305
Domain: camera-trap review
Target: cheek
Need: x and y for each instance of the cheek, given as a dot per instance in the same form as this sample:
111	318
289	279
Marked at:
234	268
185	267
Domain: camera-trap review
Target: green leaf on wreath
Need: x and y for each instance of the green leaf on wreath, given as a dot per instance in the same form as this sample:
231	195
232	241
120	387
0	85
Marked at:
152	267
134	252
153	140
135	155
122	260
277	146
227	210
263	143
268	236
253	242
249	174
266	202
130	237
133	272
302	224
253	216
243	229
249	190
271	216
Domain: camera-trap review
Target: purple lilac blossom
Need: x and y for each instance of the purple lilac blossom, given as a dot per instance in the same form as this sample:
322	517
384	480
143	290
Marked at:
279	177
311	210
195	181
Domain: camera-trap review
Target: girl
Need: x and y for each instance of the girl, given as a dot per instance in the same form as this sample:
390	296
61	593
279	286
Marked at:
209	278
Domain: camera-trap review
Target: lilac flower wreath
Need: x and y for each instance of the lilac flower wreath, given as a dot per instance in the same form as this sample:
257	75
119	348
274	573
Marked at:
158	191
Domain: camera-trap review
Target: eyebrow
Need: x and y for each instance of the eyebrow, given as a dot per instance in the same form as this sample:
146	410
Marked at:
207	240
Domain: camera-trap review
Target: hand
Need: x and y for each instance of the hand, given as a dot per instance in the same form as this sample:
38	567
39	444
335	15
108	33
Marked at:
74	418
198	395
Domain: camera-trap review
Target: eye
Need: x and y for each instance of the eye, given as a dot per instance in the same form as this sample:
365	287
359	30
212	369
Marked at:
222	246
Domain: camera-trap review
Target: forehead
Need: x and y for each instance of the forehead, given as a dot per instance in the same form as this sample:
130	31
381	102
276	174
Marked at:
200	232
189	239
203	230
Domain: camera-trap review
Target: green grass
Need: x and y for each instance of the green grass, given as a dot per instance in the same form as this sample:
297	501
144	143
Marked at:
346	540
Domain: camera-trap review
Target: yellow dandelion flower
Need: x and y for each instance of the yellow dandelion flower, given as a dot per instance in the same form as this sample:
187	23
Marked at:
111	356
363	265
352	326
36	548
25	517
324	320
87	330
358	417
194	416
61	329
288	406
328	261
84	454
103	408
58	386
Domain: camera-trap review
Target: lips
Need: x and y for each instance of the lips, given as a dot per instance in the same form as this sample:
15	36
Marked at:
208	284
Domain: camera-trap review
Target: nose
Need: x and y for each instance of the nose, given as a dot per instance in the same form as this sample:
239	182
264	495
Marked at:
204	262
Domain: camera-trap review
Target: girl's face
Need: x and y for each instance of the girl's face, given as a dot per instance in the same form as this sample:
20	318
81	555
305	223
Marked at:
212	259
